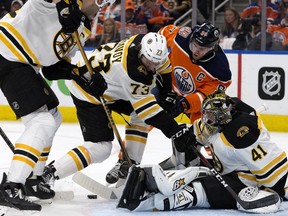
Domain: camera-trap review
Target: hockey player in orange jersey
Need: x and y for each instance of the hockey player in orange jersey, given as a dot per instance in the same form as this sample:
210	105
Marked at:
199	67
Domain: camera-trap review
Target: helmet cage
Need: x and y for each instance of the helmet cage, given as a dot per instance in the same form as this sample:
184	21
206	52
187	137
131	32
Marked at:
216	112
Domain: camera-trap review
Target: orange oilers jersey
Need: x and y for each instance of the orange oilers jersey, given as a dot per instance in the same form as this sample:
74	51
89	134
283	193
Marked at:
194	81
272	10
279	33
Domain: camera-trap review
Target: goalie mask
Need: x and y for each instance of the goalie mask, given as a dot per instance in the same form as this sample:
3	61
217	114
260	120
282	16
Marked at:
216	110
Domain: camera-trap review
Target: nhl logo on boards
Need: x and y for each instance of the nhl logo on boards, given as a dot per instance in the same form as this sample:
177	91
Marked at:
271	83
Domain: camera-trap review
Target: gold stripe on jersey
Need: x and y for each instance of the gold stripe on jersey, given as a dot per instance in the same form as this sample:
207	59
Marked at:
26	154
276	169
136	139
80	156
248	176
225	141
12	48
125	52
44	154
275	177
269	166
26	50
79	2
165	68
147	107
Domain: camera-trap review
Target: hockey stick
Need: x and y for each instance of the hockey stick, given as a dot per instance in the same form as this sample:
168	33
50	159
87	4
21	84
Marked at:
106	192
107	111
6	139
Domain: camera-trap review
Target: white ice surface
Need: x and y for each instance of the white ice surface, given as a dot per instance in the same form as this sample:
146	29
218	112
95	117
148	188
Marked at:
69	136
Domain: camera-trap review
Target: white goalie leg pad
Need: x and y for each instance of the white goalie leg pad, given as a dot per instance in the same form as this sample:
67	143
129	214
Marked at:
265	201
183	199
169	182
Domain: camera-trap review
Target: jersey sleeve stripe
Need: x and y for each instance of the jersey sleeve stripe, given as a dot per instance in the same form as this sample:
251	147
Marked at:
14	36
272	164
11	47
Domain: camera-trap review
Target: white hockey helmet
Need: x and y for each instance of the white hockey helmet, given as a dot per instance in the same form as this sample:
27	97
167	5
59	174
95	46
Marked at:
154	48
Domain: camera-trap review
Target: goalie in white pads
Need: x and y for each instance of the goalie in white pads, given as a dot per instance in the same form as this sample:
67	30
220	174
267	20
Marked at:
249	162
129	68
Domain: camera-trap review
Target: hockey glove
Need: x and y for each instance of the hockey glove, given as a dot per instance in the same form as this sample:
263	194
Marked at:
69	16
95	85
167	100
182	104
60	70
183	138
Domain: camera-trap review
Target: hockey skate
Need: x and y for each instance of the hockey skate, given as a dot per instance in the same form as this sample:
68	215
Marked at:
36	189
48	175
12	195
120	170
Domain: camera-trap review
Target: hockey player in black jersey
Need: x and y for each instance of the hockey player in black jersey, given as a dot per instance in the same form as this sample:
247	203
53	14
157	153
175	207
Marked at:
243	153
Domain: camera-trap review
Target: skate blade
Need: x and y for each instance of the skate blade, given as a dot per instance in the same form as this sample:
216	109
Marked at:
6	211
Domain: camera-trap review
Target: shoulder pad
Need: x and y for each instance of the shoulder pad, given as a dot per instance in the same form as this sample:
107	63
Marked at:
218	66
242	131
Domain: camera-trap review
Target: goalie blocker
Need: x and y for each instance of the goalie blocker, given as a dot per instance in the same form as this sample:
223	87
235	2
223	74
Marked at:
150	188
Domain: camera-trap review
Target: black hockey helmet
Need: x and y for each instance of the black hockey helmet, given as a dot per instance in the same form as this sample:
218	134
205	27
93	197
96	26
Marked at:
216	109
206	35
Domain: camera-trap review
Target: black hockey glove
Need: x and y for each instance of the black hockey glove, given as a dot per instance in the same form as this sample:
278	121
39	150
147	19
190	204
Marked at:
95	85
182	104
60	70
183	137
69	16
167	100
